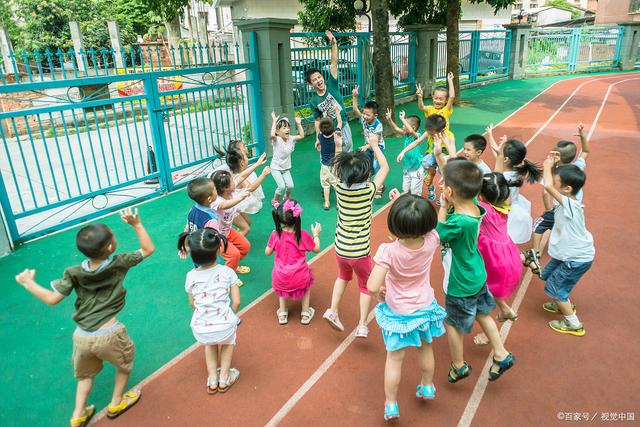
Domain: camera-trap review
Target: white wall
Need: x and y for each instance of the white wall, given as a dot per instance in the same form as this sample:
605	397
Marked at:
551	16
481	17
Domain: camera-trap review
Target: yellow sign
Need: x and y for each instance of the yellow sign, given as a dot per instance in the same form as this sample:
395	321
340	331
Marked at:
165	84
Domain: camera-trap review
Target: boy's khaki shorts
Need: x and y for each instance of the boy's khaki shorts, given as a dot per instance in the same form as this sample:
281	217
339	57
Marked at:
89	352
327	178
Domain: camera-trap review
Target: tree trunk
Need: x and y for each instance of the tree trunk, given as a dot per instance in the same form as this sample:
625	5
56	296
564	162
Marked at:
383	74
173	31
453	43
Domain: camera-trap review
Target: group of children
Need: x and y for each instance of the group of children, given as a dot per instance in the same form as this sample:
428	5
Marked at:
480	220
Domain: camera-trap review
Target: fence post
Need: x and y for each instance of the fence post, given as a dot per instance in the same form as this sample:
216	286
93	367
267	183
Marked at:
273	65
114	35
518	49
629	45
574	48
5	49
474	56
78	45
426	54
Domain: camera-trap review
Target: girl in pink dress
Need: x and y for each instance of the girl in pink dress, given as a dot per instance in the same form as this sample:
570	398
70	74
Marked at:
501	256
291	276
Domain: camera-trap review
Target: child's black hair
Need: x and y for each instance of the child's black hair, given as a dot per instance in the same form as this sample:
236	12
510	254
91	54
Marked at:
204	244
413	120
280	217
310	72
516	152
371	105
326	126
234	160
571	175
221	180
92	240
435	123
282	121
441	89
495	188
464	177
411	216
478	141
352	167
199	189
567	150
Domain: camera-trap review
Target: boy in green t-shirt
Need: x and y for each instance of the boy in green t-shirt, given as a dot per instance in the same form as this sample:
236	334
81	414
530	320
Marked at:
100	296
467	297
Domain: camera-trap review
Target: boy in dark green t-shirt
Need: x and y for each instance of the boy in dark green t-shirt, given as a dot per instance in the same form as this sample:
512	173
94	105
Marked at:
100	296
467	297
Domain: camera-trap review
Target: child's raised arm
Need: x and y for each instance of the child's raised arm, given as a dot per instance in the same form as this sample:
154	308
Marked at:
382	161
300	135
242	176
452	91
333	67
274	120
255	184
419	95
547	176
354	102
393	124
227	204
337	139
584	143
28	281
315	231
492	141
411	146
132	218
438	140
407	126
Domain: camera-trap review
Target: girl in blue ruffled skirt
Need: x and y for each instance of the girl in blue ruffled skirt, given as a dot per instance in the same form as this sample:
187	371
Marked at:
409	316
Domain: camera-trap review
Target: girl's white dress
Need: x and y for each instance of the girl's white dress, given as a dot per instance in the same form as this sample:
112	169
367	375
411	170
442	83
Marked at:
519	222
253	203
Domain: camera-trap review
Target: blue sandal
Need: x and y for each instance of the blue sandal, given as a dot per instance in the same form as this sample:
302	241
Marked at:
503	366
426	392
391	411
459	374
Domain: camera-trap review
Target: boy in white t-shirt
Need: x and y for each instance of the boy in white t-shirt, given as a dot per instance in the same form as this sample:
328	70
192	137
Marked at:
565	152
474	146
570	245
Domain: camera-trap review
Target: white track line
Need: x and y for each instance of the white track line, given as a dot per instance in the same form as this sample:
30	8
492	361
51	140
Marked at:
326	365
604	101
483	380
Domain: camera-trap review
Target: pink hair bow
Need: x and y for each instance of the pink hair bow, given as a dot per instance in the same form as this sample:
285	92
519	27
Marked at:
290	205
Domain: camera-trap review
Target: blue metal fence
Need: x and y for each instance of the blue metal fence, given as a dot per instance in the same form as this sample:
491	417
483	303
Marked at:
309	50
76	146
571	49
484	55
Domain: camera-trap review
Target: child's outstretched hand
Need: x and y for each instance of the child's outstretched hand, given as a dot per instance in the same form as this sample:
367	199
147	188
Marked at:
438	140
316	229
580	130
450	76
26	277
266	171
298	120
419	90
130	216
389	114
402	115
382	293
262	159
354	92
372	141
394	193
273	116
550	161
244	194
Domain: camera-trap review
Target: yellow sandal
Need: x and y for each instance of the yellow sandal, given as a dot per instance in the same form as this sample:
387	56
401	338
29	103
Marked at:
129	399
83	421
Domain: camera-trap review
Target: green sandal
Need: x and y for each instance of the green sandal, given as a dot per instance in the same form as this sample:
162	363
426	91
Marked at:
503	365
461	373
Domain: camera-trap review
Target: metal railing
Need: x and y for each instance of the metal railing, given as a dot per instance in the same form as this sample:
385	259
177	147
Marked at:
483	55
571	49
309	50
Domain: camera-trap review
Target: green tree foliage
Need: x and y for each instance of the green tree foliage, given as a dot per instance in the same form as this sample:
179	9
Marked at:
320	15
6	20
563	4
411	12
43	24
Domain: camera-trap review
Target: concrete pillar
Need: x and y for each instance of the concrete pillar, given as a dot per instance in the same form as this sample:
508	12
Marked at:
426	54
5	50
518	49
274	64
630	45
114	35
78	45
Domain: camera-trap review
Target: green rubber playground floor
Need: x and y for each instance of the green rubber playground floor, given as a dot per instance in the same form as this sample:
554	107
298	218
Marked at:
38	387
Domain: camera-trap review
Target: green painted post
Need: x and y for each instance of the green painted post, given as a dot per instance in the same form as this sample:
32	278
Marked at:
518	49
426	55
629	45
274	66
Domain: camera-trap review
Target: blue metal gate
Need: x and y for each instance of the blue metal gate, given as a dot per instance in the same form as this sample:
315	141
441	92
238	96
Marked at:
83	134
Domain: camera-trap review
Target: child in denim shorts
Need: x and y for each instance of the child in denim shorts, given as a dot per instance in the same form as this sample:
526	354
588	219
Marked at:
467	297
100	296
570	245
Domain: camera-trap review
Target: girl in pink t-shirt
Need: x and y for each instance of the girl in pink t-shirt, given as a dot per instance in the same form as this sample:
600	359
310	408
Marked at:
409	316
291	276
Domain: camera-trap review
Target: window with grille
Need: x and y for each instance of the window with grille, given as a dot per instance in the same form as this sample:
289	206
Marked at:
634	6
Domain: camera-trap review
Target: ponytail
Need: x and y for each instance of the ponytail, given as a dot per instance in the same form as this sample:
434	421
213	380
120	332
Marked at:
516	152
291	217
529	171
183	241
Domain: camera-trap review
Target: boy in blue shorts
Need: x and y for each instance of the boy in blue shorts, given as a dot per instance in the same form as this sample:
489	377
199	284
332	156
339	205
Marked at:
570	246
467	297
100	296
